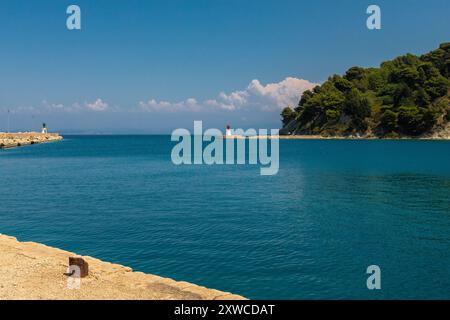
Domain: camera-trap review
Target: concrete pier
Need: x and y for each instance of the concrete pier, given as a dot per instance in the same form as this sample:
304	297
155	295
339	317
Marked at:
12	140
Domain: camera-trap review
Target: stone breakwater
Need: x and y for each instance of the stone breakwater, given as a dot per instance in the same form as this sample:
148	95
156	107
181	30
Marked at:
35	271
11	140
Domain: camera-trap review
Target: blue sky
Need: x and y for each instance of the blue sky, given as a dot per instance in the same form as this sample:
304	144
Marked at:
152	66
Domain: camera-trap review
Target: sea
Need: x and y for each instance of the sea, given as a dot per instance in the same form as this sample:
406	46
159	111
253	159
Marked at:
312	231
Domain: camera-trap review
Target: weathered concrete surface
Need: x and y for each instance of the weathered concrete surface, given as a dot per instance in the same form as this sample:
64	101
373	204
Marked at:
11	140
31	270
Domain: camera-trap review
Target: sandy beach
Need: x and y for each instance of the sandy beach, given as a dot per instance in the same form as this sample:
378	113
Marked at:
11	140
35	271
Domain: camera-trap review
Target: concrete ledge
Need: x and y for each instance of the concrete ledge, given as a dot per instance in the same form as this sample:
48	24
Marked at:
35	271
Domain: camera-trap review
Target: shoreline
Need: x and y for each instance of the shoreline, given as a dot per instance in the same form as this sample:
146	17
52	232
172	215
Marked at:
35	271
19	139
319	137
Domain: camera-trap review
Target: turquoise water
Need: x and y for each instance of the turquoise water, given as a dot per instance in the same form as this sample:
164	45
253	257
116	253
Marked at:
309	232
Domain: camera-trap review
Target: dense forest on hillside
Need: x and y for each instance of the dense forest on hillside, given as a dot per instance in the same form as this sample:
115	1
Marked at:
407	96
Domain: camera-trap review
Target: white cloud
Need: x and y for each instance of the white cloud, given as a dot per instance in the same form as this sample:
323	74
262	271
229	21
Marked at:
58	106
269	97
256	96
97	105
190	104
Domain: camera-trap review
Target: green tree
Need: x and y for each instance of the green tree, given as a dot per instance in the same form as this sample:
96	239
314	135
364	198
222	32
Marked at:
409	119
354	73
332	115
436	87
388	121
307	94
356	105
422	98
406	95
414	120
287	115
343	85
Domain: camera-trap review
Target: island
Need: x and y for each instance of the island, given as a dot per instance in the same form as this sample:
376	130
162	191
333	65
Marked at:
407	97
